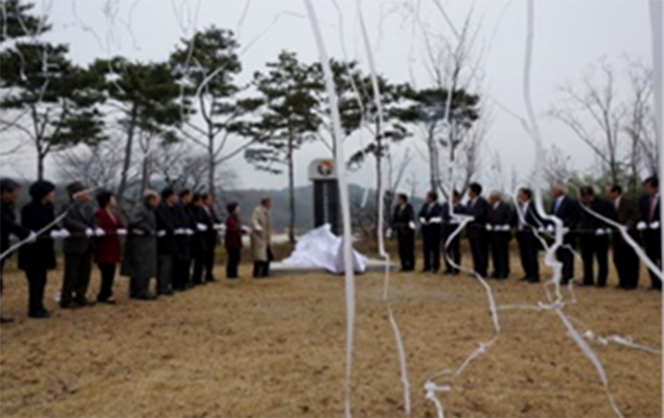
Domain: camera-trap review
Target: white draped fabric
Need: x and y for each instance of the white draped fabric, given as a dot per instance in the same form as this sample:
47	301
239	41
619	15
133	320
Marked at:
320	248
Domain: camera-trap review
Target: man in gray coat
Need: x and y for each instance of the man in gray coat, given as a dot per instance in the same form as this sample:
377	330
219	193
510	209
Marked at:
140	257
81	223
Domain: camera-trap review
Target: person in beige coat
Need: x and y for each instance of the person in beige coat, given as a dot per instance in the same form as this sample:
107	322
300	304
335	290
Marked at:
261	232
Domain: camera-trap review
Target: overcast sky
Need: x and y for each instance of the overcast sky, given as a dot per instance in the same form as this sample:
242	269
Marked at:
569	37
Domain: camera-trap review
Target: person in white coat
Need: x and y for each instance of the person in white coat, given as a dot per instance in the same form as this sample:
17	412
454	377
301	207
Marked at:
261	232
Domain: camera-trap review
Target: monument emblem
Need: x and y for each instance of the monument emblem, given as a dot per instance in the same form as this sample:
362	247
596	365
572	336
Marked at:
325	168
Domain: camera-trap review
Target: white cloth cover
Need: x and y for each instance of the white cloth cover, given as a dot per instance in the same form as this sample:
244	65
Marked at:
320	248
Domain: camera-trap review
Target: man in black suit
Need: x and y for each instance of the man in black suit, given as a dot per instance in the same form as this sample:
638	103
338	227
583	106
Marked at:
166	247
478	208
567	210
594	232
9	192
450	225
431	221
624	256
527	222
500	234
403	222
649	206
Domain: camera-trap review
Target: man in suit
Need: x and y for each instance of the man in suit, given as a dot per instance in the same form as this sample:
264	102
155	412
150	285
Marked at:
81	223
185	225
478	208
527	222
9	192
650	224
594	240
450	225
624	256
431	221
166	248
500	234
211	236
567	210
403	222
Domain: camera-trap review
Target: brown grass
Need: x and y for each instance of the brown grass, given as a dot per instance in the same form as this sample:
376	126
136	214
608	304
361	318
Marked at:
276	348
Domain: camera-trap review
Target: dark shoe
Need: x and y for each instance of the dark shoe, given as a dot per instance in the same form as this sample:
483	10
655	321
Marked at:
525	279
601	284
5	320
70	305
586	284
146	297
235	277
84	302
108	301
43	314
166	293
212	280
533	280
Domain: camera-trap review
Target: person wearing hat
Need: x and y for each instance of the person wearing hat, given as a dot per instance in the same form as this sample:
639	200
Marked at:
38	257
81	224
9	191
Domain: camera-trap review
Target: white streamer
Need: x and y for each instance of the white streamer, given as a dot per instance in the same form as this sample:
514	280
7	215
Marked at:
537	138
343	195
381	215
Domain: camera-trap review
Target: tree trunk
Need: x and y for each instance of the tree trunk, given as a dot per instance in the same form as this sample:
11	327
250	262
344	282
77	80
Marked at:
291	191
211	165
127	158
40	165
379	173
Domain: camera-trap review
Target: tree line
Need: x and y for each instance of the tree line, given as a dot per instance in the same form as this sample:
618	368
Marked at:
151	112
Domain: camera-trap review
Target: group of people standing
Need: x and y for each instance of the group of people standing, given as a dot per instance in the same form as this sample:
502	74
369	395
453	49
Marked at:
167	236
490	224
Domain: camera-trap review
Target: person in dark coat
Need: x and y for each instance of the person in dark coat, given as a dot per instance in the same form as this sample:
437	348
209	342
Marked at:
185	224
199	244
9	192
450	225
527	222
211	236
140	256
108	251
166	248
38	257
403	222
650	225
233	240
567	210
78	247
431	220
594	236
478	208
624	257
500	234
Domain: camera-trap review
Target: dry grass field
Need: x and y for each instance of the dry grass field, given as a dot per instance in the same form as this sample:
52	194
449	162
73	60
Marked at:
276	348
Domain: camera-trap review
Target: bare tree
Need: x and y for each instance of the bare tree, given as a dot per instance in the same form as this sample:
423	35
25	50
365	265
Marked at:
94	165
639	125
452	137
596	102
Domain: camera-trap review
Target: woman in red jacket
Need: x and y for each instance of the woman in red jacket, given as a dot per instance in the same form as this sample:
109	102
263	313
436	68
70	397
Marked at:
108	251
233	240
